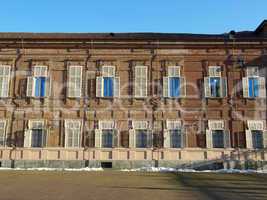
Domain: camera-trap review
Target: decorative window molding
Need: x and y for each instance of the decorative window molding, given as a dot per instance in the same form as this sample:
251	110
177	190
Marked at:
215	71
108	71
173	124
137	125
216	124
102	125
174	71
252	71
255	124
140	81
5	71
74	81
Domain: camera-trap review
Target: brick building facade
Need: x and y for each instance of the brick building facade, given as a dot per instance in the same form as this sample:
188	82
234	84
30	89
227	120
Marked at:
132	96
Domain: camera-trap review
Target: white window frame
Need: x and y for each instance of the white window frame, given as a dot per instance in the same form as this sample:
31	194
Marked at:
3	127
35	124
5	78
67	128
75	88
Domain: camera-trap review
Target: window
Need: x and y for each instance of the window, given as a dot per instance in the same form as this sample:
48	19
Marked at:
36	135
253	84
2	132
215	85
107	138
175	139
4	80
218	139
216	135
141	139
174	84
38	85
72	133
74	81
257	139
140	81
108	85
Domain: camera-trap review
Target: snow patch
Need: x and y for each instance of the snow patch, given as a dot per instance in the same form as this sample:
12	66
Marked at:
53	169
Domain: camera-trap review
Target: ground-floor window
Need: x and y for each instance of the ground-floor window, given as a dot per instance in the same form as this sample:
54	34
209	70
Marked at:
175	139
37	138
257	139
218	138
2	133
107	138
141	139
72	133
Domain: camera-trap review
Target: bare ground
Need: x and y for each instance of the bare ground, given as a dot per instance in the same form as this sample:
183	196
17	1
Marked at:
36	185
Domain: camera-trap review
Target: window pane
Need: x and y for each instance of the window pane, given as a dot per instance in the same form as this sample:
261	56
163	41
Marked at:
253	87
174	84
218	139
257	139
107	138
40	86
108	86
37	138
175	139
141	139
215	86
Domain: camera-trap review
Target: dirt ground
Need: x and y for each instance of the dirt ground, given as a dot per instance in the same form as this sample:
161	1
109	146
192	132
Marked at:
36	185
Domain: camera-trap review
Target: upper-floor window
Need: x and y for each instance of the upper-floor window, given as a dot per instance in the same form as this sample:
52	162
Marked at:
253	84
36	134
107	85
72	133
3	132
174	84
74	84
217	136
215	84
140	81
4	80
38	85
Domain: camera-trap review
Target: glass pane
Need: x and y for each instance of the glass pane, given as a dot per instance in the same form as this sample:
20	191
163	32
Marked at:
218	139
175	139
108	86
215	86
37	138
141	139
107	138
257	139
174	84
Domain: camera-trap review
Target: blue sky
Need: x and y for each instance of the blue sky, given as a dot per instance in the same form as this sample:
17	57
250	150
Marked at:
187	16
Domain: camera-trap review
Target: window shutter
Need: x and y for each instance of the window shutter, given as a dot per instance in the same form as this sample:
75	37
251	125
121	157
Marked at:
167	138
44	137
245	87
215	71
74	81
48	87
165	86
99	86
132	138
149	138
209	143
140	83
262	89
115	138
27	138
116	87
264	138
183	139
182	87
30	86
98	138
249	139
207	87
5	80
223	82
174	71
227	139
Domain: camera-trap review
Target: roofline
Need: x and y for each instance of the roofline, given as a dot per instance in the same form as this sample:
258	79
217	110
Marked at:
262	24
